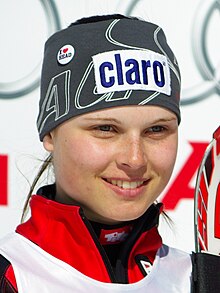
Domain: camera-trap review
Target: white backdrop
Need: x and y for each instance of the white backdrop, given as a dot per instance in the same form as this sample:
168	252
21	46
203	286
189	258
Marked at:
192	29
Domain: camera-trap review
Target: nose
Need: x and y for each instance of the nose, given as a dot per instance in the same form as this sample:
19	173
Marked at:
132	154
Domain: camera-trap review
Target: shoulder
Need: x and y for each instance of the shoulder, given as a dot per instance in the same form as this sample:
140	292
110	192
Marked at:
7	277
173	256
172	270
172	251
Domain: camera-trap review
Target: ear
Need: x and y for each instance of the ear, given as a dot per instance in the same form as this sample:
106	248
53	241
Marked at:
48	142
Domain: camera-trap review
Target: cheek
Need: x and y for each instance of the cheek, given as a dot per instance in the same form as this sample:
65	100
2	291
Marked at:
165	157
83	155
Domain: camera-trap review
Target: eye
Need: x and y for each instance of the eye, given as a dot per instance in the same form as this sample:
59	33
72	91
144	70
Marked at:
105	128
104	131
156	129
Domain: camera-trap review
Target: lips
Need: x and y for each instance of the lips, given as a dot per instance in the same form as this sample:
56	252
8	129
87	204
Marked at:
126	184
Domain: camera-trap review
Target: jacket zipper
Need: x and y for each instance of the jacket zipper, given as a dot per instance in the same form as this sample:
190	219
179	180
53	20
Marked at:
100	248
121	271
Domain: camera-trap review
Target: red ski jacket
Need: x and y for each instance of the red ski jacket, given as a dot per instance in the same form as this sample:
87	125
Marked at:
113	254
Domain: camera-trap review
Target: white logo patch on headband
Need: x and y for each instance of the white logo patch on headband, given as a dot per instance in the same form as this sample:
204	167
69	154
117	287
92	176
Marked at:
123	70
65	54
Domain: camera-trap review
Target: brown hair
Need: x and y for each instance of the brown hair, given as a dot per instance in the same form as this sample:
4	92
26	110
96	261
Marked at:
44	166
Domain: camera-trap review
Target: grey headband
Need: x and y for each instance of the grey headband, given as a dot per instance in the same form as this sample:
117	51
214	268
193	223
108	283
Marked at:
98	65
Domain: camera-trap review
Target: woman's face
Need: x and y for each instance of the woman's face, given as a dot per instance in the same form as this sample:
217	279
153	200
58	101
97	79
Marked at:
114	162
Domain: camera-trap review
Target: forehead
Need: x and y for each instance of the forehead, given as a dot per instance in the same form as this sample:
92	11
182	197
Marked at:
126	113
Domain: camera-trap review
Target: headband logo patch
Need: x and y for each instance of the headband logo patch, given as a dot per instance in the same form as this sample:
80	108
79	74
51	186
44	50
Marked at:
65	54
124	70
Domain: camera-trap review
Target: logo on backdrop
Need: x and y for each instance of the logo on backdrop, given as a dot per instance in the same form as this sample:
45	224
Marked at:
3	180
21	87
180	188
209	72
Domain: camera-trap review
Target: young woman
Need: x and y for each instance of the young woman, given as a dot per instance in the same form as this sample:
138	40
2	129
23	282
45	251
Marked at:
108	116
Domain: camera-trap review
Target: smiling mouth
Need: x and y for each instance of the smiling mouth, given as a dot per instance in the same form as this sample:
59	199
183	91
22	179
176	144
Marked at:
126	184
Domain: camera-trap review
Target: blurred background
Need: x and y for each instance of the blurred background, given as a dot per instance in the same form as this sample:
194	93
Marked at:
192	29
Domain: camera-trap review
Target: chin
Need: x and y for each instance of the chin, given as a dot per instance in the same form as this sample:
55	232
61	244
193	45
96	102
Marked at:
125	216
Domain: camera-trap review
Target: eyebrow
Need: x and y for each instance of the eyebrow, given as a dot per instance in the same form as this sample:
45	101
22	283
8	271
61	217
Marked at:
104	119
164	120
119	122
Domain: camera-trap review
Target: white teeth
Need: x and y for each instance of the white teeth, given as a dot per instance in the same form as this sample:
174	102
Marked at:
126	184
134	184
119	183
114	182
